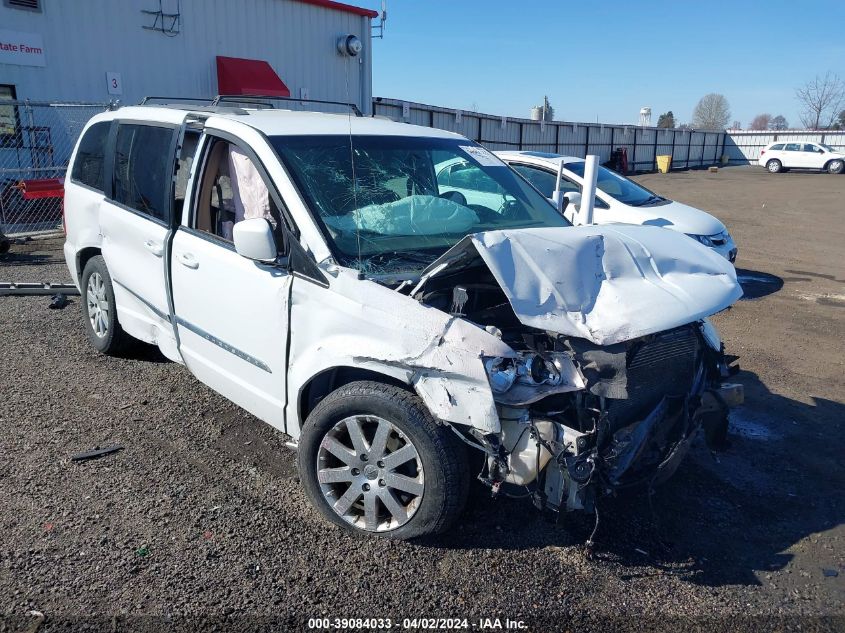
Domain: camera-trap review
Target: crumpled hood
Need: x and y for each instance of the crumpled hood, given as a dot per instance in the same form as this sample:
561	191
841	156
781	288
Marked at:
606	284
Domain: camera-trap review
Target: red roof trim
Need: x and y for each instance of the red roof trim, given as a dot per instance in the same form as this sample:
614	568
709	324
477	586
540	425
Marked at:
340	6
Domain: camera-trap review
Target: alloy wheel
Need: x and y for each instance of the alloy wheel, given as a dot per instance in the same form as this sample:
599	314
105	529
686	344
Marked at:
370	473
98	305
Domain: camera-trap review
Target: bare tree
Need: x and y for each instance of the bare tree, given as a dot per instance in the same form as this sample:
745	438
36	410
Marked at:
736	125
778	123
712	112
760	122
821	99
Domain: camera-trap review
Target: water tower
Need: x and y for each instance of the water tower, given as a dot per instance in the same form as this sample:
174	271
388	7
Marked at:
645	117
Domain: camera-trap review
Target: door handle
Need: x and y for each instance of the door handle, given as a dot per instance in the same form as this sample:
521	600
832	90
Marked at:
154	247
188	260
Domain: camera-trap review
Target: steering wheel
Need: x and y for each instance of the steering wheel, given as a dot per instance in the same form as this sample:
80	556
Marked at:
455	196
485	214
509	209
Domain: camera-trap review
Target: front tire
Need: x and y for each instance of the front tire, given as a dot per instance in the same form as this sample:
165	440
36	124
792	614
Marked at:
373	460
836	167
774	166
99	309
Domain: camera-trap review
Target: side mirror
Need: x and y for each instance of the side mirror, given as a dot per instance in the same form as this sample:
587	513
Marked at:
560	201
254	240
574	198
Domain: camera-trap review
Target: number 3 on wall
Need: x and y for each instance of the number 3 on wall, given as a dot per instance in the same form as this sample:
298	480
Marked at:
114	83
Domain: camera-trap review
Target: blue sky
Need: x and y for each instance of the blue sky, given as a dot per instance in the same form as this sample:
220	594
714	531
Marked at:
605	60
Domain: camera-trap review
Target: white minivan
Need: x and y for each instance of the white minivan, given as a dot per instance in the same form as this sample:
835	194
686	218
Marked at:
777	157
310	268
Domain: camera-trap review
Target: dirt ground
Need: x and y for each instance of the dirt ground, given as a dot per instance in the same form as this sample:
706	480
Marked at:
200	521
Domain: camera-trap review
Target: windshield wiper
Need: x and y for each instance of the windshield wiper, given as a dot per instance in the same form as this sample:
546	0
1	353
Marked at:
392	256
648	200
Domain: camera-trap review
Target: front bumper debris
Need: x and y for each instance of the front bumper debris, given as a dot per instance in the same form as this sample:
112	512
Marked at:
732	394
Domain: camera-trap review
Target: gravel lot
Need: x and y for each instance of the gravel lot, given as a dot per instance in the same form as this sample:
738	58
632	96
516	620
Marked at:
201	521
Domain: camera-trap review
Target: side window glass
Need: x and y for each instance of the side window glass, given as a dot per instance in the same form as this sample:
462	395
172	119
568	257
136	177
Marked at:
809	147
466	176
443	179
545	182
88	166
793	147
141	178
183	168
778	147
542	180
232	189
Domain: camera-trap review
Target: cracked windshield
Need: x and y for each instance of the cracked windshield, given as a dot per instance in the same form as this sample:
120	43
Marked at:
405	201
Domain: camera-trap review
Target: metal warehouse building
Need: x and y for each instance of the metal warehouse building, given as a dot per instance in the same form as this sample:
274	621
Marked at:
105	50
62	61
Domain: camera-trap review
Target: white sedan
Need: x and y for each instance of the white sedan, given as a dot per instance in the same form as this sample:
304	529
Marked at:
783	156
619	200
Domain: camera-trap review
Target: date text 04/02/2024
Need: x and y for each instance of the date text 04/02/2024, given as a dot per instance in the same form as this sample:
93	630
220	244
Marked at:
385	624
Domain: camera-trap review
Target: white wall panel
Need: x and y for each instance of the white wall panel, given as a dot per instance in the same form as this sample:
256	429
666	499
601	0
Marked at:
84	39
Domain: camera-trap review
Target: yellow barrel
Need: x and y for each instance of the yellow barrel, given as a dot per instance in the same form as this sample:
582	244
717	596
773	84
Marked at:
664	162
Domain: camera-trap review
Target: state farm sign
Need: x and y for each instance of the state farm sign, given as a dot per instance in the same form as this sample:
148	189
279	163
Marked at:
23	49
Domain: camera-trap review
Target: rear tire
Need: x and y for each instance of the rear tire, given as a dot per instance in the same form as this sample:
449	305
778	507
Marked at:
774	166
835	167
99	309
410	483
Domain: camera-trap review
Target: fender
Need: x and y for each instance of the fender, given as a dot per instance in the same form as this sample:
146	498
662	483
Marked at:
372	327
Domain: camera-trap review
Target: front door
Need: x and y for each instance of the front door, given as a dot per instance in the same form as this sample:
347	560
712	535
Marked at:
231	312
814	157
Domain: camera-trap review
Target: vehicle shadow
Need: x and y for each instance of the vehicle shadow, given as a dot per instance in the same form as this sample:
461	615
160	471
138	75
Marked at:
28	259
145	352
756	284
715	522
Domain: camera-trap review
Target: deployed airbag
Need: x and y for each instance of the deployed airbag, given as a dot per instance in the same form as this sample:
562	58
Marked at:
412	215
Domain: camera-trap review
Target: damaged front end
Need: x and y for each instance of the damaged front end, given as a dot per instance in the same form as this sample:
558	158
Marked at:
641	406
615	369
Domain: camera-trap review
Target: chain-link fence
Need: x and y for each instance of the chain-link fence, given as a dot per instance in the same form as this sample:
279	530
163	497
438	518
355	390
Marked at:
36	141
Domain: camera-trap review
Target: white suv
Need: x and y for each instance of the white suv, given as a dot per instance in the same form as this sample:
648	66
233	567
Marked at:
309	268
782	156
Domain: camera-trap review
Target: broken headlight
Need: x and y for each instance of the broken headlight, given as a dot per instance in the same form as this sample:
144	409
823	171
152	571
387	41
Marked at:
526	369
711	334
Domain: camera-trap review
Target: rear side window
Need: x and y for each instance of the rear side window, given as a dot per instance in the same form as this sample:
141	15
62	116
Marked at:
88	166
793	147
778	146
141	169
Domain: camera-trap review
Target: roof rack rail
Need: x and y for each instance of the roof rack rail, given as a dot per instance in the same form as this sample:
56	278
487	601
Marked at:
262	99
165	100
